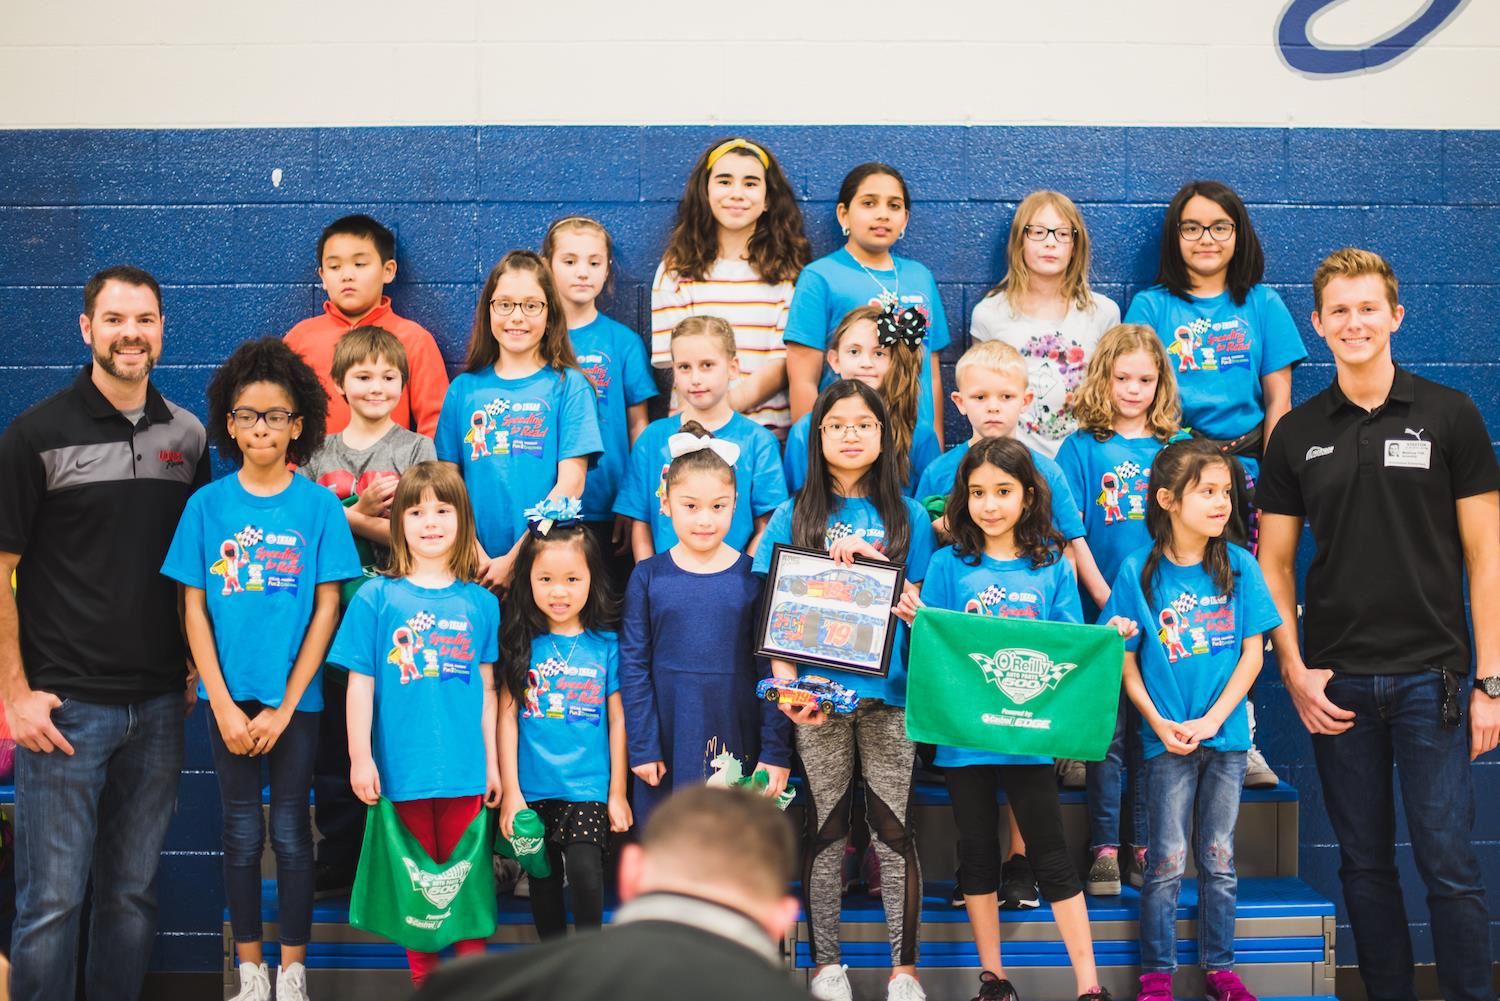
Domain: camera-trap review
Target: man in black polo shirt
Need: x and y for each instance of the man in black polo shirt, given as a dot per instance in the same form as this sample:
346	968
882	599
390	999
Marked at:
92	659
1397	479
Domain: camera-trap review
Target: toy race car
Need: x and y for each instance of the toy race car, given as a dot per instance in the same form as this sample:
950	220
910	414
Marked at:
835	585
826	632
810	690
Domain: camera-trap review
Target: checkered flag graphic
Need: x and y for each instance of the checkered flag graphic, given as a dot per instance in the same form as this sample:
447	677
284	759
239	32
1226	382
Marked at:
248	537
1200	326
991	595
421	622
1127	470
1185	603
837	531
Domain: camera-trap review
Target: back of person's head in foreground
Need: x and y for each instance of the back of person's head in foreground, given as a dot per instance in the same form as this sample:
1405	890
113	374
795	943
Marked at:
728	846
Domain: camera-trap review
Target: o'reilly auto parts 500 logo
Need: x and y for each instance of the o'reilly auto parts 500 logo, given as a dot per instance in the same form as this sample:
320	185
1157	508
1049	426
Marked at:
1022	674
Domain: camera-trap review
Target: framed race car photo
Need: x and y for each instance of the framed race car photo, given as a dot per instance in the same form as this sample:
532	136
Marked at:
829	614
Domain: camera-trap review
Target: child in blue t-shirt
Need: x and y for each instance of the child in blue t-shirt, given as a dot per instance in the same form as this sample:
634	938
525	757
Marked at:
420	647
874	207
562	721
1126	409
260	556
851	506
521	422
1203	606
1006	560
860	348
703	364
613	357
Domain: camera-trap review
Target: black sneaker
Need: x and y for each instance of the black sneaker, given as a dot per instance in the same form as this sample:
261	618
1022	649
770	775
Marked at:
333	879
1097	994
1018	885
957	900
993	988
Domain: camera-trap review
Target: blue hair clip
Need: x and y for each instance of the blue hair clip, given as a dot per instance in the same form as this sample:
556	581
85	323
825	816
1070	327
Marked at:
1181	434
551	512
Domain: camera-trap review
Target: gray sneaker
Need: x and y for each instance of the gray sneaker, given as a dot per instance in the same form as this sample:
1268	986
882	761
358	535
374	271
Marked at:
1072	774
1258	774
1104	874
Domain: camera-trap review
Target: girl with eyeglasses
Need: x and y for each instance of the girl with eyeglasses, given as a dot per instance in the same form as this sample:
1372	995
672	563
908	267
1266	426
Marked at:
521	421
852	506
1044	308
260	556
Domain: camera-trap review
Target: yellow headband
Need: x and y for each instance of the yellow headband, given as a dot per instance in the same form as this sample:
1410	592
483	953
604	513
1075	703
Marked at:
733	144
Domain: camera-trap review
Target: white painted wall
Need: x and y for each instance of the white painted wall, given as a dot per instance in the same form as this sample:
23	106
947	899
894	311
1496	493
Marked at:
184	63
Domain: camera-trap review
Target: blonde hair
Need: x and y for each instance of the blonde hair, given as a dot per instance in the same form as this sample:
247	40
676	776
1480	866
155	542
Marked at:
707	326
447	485
1094	404
1352	262
997	356
1075	279
901	388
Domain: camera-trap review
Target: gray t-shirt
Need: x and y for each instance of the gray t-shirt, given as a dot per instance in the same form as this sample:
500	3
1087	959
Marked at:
346	470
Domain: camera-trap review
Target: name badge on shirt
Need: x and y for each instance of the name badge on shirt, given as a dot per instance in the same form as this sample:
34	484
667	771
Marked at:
1408	454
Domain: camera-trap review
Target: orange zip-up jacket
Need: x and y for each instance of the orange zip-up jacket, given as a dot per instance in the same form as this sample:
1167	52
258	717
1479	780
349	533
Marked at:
421	397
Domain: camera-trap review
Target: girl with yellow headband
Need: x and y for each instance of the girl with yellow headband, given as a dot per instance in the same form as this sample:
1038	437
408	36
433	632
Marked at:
736	248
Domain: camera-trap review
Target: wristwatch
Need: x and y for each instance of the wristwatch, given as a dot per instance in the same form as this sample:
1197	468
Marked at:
1489	686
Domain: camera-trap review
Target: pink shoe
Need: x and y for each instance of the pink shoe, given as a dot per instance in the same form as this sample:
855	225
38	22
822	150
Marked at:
1226	985
1155	987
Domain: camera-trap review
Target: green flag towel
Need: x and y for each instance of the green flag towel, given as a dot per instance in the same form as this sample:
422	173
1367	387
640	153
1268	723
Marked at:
1013	686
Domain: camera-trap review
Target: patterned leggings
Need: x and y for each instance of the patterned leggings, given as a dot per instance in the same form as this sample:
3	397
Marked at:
886	757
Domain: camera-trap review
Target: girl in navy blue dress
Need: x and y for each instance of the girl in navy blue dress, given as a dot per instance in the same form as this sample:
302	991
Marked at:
684	708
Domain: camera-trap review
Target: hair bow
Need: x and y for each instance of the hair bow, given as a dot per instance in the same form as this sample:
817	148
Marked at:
553	511
683	443
908	326
1181	434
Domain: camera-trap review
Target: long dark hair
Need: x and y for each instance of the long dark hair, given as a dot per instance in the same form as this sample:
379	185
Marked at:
778	249
556	347
818	501
1246	267
523	621
1036	538
1177	469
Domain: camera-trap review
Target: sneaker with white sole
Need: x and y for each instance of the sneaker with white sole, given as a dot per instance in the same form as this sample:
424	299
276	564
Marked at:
832	984
291	983
904	987
255	983
1072	774
1258	774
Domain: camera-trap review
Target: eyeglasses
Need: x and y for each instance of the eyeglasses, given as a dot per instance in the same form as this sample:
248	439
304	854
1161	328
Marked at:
838	429
1220	231
1062	234
529	307
276	419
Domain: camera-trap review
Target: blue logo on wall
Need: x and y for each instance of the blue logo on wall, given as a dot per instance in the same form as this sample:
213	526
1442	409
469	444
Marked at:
1303	54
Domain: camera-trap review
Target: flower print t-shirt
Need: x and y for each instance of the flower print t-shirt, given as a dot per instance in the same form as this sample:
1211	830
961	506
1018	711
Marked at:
858	517
613	359
1057	354
1109	481
1011	589
1189	640
424	647
1220	352
831	286
507	437
563	722
259	561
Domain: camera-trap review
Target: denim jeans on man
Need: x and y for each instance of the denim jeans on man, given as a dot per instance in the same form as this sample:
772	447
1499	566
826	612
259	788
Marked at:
1108	779
1198	791
1397	722
290	764
104	809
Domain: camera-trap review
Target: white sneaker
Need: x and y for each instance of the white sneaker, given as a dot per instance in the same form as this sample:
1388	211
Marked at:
832	984
255	983
904	987
291	983
1258	774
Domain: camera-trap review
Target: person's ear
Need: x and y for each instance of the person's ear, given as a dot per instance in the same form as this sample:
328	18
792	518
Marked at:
388	272
1027	399
782	917
86	327
958	401
1165	499
631	874
832	357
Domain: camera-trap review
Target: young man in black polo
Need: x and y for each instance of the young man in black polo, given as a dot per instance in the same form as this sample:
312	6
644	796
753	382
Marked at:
1397	479
92	661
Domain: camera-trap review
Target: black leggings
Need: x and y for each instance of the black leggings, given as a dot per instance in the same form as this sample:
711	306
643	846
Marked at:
1032	793
584	863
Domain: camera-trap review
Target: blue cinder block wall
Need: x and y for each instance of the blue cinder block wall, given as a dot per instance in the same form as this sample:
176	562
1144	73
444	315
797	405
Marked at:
228	220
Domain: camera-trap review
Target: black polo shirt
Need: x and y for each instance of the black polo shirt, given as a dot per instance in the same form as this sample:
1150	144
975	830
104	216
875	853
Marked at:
90	504
1385	592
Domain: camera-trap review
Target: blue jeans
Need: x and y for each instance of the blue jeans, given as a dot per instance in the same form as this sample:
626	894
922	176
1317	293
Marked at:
290	763
120	781
1200	791
1106	785
1397	724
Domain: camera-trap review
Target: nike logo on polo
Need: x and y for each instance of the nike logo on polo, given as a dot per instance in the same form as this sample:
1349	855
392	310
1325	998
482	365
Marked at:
1317	452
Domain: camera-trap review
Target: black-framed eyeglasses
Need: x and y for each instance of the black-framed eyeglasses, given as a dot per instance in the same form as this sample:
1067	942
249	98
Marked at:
276	418
1062	234
529	307
1219	231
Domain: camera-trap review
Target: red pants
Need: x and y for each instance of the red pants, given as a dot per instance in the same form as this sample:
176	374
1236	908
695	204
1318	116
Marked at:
438	825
